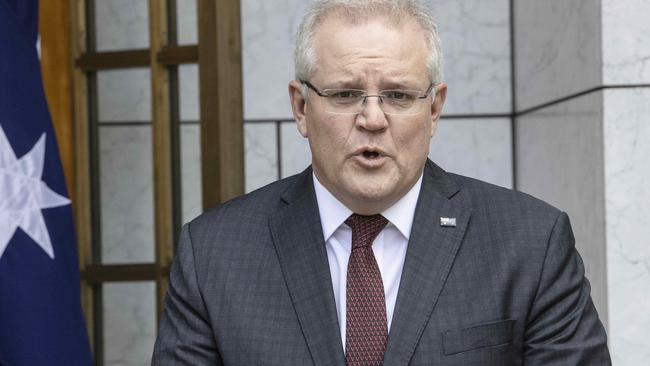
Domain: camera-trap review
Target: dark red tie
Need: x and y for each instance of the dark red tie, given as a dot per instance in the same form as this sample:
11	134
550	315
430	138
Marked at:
366	331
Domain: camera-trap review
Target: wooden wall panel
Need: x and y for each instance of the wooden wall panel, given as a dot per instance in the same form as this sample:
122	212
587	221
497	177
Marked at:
220	74
81	160
56	68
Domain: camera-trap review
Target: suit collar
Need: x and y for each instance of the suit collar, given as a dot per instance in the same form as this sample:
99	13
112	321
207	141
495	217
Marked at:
298	239
431	251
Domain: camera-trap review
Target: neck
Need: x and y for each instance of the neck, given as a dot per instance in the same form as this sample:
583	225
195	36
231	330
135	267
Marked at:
364	205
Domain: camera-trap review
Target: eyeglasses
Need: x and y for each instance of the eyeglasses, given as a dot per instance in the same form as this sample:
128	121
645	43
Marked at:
352	101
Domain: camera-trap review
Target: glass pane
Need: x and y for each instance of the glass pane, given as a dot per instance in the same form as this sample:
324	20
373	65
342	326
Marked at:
191	171
188	76
121	24
126	194
261	163
124	95
296	155
129	318
187	21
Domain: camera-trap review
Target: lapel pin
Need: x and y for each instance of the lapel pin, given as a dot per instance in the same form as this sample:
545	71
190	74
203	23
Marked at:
448	221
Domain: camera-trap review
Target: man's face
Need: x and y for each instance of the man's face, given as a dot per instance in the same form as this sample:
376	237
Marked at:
371	159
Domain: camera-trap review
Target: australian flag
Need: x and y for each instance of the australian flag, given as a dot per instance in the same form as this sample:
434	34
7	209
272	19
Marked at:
41	321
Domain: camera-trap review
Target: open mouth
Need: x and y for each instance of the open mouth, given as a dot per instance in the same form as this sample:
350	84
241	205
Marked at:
370	154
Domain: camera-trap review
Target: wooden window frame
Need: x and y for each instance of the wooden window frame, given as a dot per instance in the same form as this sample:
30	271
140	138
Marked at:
218	55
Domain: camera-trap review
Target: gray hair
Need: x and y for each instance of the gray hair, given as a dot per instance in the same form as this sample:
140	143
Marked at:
359	10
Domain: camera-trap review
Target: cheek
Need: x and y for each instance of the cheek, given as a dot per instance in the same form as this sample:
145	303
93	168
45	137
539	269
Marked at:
414	140
332	129
327	138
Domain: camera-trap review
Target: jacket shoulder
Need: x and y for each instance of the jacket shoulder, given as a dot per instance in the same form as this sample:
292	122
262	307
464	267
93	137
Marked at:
250	209
496	200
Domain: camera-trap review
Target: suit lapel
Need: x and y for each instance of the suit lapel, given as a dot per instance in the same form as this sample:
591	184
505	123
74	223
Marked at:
299	243
430	255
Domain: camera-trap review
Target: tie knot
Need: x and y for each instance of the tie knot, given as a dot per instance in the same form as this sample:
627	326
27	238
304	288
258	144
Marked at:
365	228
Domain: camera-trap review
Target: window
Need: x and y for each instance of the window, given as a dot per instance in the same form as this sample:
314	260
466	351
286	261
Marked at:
140	167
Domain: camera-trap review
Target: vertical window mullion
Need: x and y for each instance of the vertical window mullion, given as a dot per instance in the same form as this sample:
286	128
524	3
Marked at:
162	147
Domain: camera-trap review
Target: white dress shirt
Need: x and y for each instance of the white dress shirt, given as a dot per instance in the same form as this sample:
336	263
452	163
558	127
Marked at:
389	247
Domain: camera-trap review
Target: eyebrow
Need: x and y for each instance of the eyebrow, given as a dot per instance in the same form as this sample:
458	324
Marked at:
344	83
352	82
390	85
401	84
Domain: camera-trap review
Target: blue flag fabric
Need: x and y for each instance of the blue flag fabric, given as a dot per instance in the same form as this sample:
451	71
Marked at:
41	321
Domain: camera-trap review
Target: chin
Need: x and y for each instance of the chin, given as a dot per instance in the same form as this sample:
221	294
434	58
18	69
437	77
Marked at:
372	190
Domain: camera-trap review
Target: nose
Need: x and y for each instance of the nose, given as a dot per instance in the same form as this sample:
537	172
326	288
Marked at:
372	117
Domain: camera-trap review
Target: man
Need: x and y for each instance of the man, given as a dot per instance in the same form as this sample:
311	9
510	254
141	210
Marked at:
374	255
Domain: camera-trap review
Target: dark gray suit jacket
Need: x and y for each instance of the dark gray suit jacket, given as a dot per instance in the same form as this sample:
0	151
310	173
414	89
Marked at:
250	284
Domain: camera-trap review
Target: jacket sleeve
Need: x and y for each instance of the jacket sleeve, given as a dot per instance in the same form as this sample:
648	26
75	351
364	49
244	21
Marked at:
563	327
185	335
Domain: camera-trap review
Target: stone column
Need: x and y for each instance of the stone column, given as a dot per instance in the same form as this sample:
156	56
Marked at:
582	143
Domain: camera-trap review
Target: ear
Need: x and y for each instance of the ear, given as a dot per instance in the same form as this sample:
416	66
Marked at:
298	106
436	106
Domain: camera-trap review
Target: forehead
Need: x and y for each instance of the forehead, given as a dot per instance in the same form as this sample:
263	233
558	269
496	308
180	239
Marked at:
375	48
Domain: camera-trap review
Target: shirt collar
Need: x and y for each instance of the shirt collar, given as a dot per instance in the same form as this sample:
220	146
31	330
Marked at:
333	213
401	214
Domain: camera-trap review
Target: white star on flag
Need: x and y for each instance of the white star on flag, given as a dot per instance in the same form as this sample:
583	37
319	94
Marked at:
23	194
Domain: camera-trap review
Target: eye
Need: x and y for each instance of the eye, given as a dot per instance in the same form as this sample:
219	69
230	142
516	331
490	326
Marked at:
399	95
345	94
